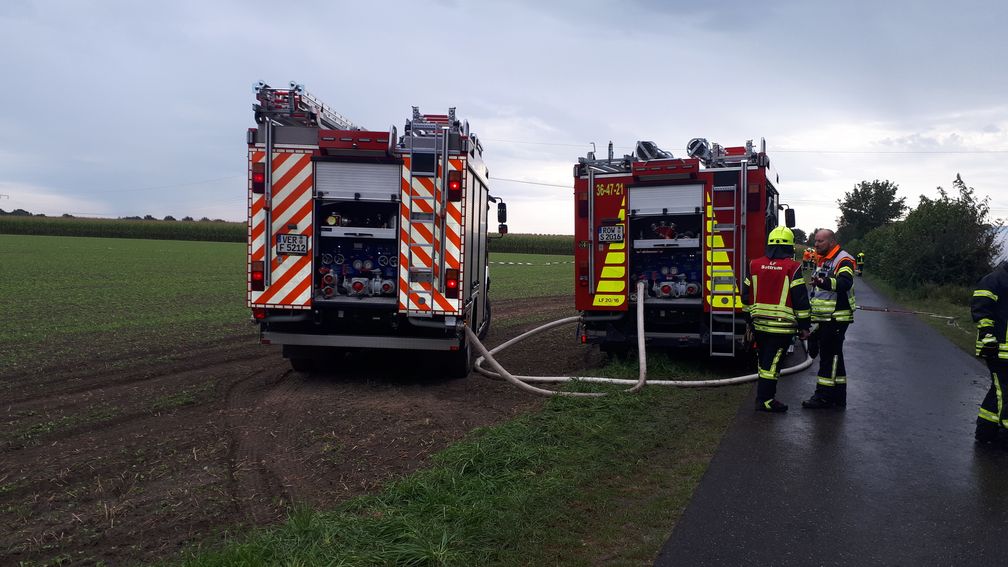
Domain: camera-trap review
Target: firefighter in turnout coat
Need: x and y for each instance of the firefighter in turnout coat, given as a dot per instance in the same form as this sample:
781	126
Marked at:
989	307
833	308
776	305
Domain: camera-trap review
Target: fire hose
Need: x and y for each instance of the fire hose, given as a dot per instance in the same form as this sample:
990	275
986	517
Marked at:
948	318
524	382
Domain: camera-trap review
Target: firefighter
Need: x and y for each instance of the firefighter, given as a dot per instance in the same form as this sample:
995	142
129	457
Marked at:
776	305
860	263
833	305
989	307
808	258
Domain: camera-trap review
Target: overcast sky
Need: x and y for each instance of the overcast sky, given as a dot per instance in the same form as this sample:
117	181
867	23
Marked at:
133	108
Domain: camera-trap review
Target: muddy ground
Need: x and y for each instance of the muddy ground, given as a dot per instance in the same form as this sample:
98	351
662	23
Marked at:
131	452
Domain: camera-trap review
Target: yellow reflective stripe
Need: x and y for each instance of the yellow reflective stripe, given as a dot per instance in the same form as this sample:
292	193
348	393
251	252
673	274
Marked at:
801	313
785	290
773	309
985	323
798	282
615	258
747	282
776	359
841	379
766	374
832	284
845	269
997	388
784	331
755	283
611	286
988	415
985	293
836	359
825	381
614	272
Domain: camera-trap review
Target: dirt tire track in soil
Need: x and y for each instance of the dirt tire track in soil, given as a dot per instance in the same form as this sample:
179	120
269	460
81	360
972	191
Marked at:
207	440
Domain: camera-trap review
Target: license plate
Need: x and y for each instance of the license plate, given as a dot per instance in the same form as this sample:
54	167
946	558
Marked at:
610	233
292	244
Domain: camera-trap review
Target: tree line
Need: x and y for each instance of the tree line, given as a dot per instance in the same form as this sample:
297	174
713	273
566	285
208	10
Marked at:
948	240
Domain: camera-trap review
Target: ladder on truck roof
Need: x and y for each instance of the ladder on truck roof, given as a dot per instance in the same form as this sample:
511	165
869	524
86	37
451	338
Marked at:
294	106
727	236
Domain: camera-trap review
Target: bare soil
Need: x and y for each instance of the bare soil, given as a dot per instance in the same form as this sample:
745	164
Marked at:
130	450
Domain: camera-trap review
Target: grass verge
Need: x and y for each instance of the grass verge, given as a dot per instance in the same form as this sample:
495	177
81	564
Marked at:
945	301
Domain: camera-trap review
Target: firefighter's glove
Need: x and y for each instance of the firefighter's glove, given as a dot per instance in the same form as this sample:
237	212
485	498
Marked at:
823	283
989	346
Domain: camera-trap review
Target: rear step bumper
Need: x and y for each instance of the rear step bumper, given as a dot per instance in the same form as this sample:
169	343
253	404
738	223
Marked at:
359	341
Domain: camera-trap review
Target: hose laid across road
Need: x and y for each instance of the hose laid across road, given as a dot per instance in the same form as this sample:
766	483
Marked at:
524	382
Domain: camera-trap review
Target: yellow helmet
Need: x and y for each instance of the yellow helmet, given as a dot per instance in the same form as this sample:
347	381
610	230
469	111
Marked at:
781	236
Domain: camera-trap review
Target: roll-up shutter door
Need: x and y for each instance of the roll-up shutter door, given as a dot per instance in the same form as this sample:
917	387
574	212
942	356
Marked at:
666	200
360	181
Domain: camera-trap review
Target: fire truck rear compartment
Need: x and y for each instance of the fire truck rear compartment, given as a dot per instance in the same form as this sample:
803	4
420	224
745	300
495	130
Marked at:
357	256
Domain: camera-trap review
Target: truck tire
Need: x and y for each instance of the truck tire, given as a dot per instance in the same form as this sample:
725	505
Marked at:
458	363
486	322
302	364
615	350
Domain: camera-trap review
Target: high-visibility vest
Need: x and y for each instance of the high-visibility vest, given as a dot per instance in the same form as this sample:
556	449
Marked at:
770	284
827	304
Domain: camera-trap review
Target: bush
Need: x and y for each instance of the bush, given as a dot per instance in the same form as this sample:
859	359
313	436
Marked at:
943	241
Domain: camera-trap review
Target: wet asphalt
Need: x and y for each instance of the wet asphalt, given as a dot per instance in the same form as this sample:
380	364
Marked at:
895	479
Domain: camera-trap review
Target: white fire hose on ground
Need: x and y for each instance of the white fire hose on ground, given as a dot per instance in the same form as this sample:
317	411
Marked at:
524	382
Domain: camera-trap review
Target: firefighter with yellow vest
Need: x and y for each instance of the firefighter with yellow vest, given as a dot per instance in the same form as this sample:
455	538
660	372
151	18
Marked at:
833	305
989	307
776	306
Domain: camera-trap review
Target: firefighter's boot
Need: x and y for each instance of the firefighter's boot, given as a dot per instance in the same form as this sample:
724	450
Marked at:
771	406
817	402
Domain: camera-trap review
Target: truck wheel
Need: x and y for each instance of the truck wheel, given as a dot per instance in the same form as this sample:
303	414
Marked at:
302	364
615	350
458	363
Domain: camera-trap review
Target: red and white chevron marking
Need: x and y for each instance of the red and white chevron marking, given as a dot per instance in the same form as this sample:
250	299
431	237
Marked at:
421	241
291	276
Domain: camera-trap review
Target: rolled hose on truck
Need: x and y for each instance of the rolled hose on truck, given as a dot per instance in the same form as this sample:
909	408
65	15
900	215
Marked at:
523	382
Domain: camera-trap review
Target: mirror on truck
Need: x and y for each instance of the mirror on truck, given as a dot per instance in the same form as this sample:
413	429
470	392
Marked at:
502	212
502	229
789	219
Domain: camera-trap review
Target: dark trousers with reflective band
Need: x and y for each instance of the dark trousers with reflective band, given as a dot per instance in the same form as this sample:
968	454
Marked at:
992	409
832	378
771	348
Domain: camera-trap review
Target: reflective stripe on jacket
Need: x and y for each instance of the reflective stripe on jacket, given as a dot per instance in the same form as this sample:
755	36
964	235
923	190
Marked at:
837	302
989	307
775	296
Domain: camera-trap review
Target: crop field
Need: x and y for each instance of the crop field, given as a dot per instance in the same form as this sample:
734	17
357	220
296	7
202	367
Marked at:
142	420
213	231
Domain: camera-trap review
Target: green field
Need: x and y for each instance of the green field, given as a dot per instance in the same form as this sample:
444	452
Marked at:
206	230
61	289
530	275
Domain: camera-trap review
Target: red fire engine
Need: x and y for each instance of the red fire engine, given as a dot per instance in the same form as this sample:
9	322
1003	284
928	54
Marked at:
365	240
686	226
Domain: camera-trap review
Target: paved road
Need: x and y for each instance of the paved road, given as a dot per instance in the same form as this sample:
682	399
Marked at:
894	480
